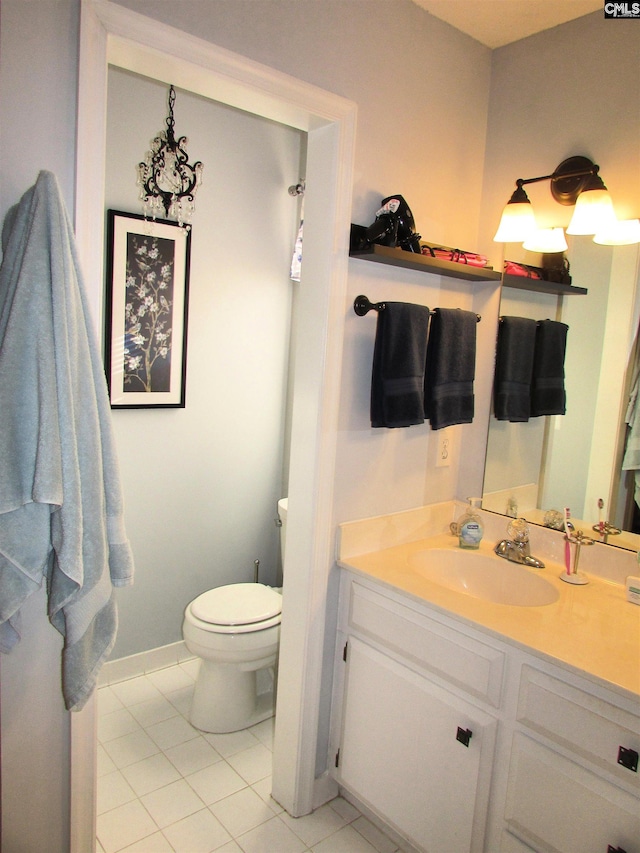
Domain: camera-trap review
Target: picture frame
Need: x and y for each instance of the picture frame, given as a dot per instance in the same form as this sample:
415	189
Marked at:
148	264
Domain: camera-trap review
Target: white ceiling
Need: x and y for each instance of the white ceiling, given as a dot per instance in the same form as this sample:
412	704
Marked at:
495	23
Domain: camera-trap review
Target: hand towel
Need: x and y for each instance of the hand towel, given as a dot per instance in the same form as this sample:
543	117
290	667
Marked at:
548	396
397	381
451	368
514	369
61	511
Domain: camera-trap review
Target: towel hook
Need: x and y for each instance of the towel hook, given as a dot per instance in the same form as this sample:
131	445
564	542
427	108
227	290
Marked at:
362	306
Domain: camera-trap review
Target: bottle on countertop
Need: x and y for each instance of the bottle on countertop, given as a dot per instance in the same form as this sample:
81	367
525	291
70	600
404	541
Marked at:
470	526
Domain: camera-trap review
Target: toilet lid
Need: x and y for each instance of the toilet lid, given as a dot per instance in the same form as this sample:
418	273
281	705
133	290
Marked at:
237	604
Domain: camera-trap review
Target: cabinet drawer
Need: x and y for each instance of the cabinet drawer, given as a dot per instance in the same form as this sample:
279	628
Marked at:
589	726
556	805
469	664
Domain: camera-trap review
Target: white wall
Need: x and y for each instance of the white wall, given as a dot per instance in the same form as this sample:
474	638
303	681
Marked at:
38	56
201	484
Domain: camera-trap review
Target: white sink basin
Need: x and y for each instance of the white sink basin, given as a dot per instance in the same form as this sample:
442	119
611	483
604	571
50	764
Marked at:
483	576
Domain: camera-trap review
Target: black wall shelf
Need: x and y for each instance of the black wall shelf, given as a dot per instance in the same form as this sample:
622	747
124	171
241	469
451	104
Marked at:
423	263
539	285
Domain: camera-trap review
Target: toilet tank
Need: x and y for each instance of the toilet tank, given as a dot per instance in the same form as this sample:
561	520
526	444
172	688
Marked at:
283	505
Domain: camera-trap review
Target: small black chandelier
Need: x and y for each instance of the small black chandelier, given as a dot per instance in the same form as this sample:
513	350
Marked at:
167	181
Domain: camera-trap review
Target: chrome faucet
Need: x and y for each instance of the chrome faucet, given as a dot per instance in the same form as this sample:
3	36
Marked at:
516	549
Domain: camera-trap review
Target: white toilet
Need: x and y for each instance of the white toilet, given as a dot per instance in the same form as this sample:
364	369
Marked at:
235	630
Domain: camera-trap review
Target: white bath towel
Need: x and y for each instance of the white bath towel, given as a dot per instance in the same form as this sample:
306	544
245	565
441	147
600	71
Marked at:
61	513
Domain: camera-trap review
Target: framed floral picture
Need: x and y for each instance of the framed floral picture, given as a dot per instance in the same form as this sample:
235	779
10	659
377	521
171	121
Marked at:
147	306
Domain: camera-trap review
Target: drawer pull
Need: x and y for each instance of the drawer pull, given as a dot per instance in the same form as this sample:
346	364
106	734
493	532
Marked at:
464	736
611	849
628	758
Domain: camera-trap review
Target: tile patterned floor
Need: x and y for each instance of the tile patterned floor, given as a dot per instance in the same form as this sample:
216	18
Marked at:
165	787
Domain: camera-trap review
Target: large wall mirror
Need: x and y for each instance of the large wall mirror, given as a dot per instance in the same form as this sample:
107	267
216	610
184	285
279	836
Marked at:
575	460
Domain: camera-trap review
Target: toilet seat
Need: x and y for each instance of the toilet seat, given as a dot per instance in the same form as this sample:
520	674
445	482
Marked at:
237	608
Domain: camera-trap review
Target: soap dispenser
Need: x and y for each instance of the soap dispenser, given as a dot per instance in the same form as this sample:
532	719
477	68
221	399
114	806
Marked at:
470	526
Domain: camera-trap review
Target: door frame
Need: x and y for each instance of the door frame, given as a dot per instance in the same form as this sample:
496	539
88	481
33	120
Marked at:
113	35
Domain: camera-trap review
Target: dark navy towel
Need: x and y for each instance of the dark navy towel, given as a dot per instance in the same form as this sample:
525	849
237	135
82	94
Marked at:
548	396
451	367
397	381
514	369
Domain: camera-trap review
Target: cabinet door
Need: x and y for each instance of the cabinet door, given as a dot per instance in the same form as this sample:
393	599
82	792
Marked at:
401	757
554	804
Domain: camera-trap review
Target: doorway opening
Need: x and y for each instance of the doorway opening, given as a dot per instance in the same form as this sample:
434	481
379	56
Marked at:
113	35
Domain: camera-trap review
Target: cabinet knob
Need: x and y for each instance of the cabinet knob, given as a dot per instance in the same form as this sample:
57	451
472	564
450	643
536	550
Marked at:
464	736
628	758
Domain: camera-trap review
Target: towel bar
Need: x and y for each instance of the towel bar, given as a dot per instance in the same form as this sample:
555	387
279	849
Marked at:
362	305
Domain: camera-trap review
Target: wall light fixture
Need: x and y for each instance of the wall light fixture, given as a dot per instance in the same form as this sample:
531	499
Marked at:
576	181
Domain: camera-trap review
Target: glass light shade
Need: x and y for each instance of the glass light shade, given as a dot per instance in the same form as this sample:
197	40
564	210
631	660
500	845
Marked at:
593	212
546	240
622	233
517	223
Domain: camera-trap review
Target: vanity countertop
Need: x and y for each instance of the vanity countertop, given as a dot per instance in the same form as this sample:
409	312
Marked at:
591	629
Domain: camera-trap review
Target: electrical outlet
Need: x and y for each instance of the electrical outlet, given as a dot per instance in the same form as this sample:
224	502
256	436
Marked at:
443	455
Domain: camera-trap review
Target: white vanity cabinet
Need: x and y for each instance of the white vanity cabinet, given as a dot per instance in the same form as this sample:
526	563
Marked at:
551	757
417	754
573	777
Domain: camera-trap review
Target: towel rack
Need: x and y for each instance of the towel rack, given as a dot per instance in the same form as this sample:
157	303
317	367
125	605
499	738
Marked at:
362	305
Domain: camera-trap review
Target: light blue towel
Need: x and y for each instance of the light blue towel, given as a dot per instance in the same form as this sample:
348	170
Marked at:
61	512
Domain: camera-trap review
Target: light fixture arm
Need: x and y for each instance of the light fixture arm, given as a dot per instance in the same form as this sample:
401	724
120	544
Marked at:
569	179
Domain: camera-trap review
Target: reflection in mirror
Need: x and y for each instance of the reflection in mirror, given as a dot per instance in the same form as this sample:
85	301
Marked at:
576	459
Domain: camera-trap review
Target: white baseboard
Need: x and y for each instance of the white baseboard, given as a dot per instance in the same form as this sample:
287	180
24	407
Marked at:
143	662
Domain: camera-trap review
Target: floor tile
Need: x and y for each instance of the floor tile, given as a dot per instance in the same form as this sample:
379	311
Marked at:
242	811
113	791
135	690
229	744
124	825
170	679
271	836
263	790
150	774
153	711
108	701
344	808
171	803
116	724
171	732
199	833
192	755
264	732
191	667
315	827
155	843
345	840
216	782
130	748
253	763
381	842
104	763
181	699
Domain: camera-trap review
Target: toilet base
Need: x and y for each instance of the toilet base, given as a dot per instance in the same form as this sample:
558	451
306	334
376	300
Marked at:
225	699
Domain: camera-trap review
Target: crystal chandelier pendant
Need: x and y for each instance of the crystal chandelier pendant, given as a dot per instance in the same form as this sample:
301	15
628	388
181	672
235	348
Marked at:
168	182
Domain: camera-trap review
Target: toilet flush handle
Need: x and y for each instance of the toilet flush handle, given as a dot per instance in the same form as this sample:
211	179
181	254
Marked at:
256	572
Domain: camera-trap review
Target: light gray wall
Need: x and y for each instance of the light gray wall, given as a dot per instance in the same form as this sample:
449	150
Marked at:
38	56
201	484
